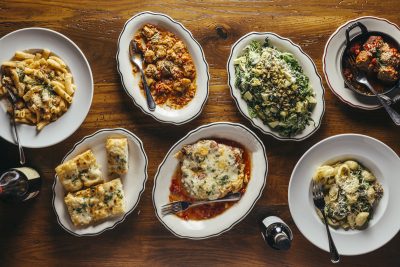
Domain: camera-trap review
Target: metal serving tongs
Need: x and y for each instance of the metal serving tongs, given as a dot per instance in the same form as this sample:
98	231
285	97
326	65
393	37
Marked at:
13	101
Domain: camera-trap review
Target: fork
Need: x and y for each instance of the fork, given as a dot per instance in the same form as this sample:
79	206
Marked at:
13	101
138	61
319	202
361	77
178	206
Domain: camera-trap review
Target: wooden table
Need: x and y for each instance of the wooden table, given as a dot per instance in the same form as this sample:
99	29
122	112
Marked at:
29	233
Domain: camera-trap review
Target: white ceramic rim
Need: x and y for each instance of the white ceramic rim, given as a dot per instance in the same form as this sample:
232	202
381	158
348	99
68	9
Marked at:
180	25
324	65
81	120
244	113
292	208
178	143
111	130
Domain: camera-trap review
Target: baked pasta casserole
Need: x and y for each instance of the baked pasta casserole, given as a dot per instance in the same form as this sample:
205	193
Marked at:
211	170
208	170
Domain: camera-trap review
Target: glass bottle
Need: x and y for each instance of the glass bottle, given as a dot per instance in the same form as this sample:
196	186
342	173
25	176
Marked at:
19	184
276	233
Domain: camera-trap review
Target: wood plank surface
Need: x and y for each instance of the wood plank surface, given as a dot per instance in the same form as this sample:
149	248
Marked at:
29	232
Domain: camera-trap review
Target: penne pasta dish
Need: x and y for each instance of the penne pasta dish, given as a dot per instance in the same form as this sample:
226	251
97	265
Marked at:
42	83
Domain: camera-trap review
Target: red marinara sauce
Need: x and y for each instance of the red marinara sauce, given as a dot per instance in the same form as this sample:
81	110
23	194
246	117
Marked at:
207	211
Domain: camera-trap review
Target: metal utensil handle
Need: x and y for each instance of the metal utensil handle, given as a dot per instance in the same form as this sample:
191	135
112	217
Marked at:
392	113
364	30
20	148
335	257
149	98
230	198
396	99
13	101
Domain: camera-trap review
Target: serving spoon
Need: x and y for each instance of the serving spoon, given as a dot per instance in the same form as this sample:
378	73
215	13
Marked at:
361	77
137	58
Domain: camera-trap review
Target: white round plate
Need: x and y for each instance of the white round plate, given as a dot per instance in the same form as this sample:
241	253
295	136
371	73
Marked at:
133	182
331	60
202	229
68	123
131	81
309	68
376	156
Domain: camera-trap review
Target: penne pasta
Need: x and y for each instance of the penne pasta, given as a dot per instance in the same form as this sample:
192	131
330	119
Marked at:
63	94
68	84
59	61
41	124
43	84
46	53
11	64
55	83
22	120
23	55
54	64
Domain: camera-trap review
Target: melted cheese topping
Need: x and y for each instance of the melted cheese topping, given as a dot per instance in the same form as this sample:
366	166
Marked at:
211	170
81	171
117	155
96	203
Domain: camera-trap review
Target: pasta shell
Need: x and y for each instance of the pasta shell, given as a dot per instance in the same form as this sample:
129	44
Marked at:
342	174
368	176
333	192
352	197
361	218
323	173
351	164
351	219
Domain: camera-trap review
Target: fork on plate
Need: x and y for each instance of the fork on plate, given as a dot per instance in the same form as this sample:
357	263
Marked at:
319	202
13	101
178	206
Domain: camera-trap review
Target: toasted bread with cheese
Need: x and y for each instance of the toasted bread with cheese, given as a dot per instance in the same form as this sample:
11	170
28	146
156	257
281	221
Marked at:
97	203
79	172
117	155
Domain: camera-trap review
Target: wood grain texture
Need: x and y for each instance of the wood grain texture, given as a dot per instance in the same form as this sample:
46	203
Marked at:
29	233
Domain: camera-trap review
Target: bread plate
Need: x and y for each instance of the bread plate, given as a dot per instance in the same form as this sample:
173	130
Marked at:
69	52
201	229
130	81
309	69
381	160
133	182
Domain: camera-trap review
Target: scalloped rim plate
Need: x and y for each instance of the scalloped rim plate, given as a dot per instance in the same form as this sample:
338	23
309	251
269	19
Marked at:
133	182
130	82
309	68
376	156
222	223
69	122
